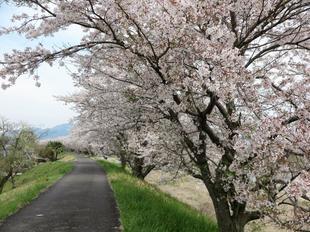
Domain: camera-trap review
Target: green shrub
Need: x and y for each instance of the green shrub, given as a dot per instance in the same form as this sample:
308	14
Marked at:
48	153
51	151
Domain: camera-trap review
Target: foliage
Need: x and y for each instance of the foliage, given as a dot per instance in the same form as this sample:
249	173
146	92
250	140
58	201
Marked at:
57	146
144	208
16	152
47	153
51	150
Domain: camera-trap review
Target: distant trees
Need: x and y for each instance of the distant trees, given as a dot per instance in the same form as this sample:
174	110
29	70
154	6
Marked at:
17	147
105	128
20	150
51	150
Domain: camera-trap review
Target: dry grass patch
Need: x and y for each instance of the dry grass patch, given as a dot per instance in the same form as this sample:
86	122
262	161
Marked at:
193	192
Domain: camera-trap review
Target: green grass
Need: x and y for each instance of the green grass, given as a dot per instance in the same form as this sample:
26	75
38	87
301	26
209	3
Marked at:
144	208
30	184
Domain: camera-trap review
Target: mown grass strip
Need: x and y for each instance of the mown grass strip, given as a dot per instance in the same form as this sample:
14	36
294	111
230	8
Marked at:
144	208
30	184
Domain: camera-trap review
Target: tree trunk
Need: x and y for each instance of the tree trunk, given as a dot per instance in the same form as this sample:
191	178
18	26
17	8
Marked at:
123	159
13	181
4	180
228	220
148	169
137	167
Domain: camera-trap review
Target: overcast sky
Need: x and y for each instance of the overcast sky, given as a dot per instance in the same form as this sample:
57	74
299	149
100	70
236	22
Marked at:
25	102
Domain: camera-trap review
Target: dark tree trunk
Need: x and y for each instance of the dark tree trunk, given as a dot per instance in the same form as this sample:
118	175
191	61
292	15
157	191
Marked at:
13	181
225	221
123	159
231	216
4	180
148	169
137	167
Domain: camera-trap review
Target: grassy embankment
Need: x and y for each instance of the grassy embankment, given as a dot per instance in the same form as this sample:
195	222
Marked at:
145	208
31	183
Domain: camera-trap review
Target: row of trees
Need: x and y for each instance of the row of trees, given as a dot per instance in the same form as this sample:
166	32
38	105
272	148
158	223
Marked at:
20	150
219	89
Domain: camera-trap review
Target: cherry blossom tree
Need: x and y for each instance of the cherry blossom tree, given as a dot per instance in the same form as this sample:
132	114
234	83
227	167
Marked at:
231	77
112	120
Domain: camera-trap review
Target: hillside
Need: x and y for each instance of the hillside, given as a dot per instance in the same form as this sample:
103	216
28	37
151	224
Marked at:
58	131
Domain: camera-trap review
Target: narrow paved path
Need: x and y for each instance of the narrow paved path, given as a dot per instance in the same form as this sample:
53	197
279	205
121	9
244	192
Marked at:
80	202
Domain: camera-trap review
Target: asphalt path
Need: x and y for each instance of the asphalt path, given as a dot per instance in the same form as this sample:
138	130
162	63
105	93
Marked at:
82	201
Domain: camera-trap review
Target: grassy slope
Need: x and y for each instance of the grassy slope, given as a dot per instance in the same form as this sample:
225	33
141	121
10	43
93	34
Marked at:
144	208
30	184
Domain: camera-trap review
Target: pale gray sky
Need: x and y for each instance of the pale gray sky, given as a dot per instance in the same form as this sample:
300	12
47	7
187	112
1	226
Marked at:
25	102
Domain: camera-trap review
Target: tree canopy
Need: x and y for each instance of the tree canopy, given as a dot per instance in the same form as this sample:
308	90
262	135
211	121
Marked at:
219	87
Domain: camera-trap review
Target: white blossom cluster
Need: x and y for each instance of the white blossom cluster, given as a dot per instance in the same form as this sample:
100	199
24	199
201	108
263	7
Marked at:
217	88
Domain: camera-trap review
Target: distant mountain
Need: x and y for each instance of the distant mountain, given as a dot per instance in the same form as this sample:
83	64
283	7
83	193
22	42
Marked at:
54	132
